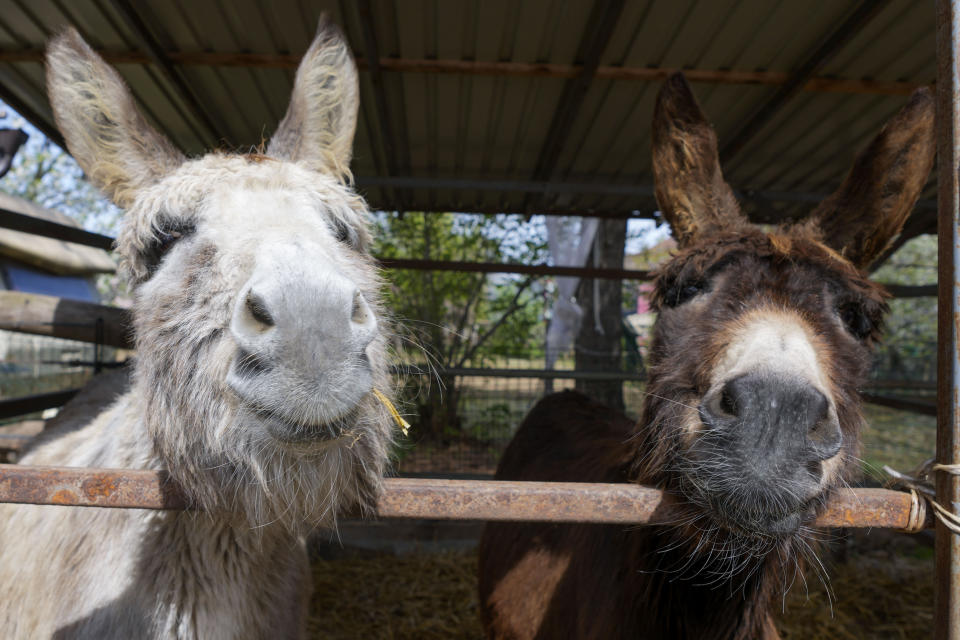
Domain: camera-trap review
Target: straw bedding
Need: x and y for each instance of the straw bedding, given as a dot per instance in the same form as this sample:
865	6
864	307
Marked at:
882	586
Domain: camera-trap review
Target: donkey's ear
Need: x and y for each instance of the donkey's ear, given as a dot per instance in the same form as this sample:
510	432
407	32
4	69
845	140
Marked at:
690	188
322	117
868	210
96	114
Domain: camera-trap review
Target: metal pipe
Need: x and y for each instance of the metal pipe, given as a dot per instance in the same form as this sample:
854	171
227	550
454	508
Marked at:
543	374
119	488
504	267
947	599
441	499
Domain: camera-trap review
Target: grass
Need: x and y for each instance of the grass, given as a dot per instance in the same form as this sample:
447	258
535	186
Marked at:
900	439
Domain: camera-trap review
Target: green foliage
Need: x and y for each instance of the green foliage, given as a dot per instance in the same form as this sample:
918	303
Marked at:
910	345
457	318
454	319
495	422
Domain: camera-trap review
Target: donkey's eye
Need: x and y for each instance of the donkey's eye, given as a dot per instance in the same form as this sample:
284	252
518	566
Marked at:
344	234
165	240
165	236
681	292
855	320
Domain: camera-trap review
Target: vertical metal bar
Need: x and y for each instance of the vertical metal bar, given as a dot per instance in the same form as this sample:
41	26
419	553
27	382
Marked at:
947	618
98	346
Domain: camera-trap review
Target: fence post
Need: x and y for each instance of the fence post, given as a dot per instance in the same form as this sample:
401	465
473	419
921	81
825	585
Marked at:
947	616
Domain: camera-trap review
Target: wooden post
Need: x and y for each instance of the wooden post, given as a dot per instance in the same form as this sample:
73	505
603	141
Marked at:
62	318
947	613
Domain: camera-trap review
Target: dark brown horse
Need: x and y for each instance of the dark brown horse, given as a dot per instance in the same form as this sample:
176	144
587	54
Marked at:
752	414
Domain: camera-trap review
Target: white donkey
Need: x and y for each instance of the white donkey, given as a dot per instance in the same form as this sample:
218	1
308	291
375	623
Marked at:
258	353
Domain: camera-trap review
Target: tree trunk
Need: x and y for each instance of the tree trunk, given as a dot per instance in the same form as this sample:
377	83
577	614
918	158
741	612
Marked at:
598	345
439	419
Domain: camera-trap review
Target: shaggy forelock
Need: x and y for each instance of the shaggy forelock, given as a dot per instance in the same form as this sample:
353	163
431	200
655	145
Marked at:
185	194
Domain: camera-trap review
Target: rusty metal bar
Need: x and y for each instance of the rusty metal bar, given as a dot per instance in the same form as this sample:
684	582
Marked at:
947	600
438	499
121	488
530	501
598	503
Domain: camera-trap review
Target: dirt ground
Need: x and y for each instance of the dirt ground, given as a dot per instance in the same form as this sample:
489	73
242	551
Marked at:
881	586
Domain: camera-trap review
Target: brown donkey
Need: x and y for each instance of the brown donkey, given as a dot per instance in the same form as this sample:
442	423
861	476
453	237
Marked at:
752	415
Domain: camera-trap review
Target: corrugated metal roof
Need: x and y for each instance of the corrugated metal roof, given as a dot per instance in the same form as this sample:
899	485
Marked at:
488	124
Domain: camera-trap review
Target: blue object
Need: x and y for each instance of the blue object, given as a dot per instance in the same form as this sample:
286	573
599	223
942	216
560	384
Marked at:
20	278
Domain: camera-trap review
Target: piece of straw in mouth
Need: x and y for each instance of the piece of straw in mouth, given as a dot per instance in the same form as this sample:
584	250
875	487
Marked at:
403	424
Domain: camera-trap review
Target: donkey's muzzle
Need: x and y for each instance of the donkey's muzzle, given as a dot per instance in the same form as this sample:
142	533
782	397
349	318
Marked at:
306	328
301	334
761	450
776	419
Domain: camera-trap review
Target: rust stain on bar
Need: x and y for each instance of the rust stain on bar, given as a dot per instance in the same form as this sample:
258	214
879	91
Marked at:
602	503
439	499
117	488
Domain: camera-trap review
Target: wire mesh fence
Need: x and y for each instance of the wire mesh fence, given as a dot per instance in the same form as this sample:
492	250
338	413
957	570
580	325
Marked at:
488	407
463	418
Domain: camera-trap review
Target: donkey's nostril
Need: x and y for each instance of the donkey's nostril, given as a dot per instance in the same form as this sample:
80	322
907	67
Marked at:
360	313
825	438
728	403
720	407
258	309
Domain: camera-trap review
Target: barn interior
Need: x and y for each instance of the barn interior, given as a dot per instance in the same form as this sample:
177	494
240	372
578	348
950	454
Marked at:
534	116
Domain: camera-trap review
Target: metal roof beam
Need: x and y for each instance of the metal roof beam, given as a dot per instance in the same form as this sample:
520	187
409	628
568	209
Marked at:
501	69
506	267
591	188
475	209
158	57
394	148
526	186
828	47
594	42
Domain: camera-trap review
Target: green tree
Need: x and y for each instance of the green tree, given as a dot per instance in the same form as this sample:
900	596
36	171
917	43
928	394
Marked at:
909	350
451	319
